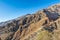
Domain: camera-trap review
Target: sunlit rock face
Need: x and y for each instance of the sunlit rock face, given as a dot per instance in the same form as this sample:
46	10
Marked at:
43	25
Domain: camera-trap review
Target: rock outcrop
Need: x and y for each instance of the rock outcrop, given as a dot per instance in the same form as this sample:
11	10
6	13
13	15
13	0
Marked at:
43	25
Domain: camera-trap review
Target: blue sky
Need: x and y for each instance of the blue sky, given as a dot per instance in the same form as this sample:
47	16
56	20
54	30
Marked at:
10	9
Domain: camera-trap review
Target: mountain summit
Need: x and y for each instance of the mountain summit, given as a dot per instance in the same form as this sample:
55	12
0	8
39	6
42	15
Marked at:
43	25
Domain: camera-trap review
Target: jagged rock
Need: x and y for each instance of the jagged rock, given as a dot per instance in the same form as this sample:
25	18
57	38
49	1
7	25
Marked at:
43	25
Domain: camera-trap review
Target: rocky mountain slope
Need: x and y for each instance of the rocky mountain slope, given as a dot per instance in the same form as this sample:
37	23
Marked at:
43	25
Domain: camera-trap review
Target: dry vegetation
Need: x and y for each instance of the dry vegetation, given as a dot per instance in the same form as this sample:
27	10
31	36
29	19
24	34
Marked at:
44	25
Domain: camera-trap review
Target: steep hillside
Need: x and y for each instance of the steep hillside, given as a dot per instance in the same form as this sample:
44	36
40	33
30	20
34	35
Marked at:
43	25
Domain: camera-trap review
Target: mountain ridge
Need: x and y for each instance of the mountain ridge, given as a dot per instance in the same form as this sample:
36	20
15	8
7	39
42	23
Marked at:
28	27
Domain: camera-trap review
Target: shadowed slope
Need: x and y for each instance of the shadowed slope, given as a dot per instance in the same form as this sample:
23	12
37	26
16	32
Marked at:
43	25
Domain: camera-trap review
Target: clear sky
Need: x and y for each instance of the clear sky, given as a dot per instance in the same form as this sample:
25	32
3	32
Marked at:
10	9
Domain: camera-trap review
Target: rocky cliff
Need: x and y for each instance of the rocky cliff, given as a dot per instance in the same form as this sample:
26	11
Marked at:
43	25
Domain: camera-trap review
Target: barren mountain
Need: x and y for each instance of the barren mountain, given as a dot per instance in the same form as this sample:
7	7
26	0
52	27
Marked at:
43	25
